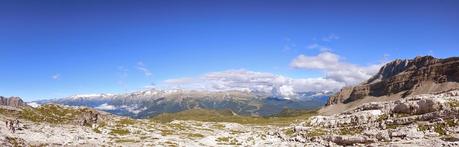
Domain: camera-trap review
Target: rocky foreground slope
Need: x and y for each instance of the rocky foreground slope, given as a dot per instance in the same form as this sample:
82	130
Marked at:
421	120
54	125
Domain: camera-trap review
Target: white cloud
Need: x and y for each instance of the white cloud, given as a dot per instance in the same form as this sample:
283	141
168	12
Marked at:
133	108
179	81
319	47
244	80
284	90
338	74
325	60
56	76
330	37
141	66
106	106
335	68
33	104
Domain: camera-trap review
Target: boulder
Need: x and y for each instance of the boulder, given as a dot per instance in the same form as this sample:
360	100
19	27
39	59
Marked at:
349	140
89	117
407	133
421	106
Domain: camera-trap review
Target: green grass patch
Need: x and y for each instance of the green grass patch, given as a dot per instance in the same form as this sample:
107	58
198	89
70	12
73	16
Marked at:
382	117
440	128
206	115
423	128
99	126
178	126
170	144
227	141
143	137
52	114
453	103
97	130
14	141
219	126
392	126
167	132
316	132
451	123
288	131
42	145
195	135
126	141
350	130
126	121
223	139
233	132
119	131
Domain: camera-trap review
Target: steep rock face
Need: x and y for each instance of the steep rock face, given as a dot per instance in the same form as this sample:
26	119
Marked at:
12	101
405	77
345	92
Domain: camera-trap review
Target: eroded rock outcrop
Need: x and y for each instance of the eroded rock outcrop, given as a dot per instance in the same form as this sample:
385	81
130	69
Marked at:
12	101
89	117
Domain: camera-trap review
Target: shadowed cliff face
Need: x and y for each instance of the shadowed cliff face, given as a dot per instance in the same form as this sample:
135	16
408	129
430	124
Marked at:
406	77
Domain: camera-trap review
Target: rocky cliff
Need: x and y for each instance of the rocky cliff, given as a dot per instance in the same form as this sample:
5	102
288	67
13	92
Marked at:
402	78
12	101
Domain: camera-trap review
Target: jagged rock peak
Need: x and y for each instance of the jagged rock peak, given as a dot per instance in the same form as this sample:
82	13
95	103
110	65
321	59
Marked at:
399	65
12	101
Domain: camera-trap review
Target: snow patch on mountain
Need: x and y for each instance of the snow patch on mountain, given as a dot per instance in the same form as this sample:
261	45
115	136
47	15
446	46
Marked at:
102	95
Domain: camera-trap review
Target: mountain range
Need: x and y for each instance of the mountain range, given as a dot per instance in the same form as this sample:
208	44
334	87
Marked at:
152	102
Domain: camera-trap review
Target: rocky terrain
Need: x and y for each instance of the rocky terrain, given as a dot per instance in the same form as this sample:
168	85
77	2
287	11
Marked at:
421	120
55	125
399	79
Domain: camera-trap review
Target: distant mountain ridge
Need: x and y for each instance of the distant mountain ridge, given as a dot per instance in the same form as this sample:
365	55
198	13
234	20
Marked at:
152	102
400	78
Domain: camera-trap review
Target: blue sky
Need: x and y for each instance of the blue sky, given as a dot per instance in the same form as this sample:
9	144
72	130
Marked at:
52	49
